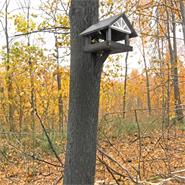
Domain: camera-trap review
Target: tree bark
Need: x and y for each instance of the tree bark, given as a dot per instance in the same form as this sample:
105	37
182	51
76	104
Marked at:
85	77
9	75
31	72
125	86
147	83
182	10
174	67
146	73
178	110
59	87
160	46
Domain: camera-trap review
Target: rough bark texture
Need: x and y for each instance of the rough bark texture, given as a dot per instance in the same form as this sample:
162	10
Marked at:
84	98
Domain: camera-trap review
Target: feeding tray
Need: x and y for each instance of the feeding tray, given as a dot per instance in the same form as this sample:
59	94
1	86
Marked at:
109	46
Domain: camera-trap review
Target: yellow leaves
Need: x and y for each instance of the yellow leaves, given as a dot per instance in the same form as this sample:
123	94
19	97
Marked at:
43	24
23	25
22	93
58	44
63	40
145	4
63	20
59	92
110	2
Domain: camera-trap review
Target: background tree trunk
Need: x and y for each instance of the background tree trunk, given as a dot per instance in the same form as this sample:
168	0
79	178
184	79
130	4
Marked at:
59	88
31	73
174	67
9	75
162	72
178	110
146	71
125	86
84	98
182	10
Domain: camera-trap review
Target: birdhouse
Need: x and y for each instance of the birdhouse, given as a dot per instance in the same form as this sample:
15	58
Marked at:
109	35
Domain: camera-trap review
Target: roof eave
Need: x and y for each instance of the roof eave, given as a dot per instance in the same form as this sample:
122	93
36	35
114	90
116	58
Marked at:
132	35
89	33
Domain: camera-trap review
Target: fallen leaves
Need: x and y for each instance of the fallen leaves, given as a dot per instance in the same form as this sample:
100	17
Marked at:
161	162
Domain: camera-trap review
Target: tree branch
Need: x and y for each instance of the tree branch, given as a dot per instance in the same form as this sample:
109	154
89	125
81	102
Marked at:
49	140
50	30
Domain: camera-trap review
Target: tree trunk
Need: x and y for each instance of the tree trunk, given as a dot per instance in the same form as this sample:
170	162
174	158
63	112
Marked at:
146	73
168	97
85	77
9	75
31	73
162	74
174	67
125	86
147	84
178	110
32	95
59	87
182	10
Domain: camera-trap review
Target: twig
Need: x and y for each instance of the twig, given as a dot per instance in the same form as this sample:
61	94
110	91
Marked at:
58	180
34	157
113	160
5	156
111	170
41	160
112	145
140	147
48	138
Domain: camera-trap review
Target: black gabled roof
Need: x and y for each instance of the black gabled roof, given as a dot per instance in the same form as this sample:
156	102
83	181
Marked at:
101	25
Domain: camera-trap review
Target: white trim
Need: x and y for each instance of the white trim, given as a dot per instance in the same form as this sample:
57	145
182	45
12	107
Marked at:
121	25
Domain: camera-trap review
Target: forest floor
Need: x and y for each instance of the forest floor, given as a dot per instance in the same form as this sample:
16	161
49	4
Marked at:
154	158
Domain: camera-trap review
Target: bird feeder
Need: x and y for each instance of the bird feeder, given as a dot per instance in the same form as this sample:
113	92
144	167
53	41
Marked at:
109	35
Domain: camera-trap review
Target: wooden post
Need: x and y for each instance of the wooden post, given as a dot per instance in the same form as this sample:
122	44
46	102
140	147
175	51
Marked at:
87	41
127	40
108	34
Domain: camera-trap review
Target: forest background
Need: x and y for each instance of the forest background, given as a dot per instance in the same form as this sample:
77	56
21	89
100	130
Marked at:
148	83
